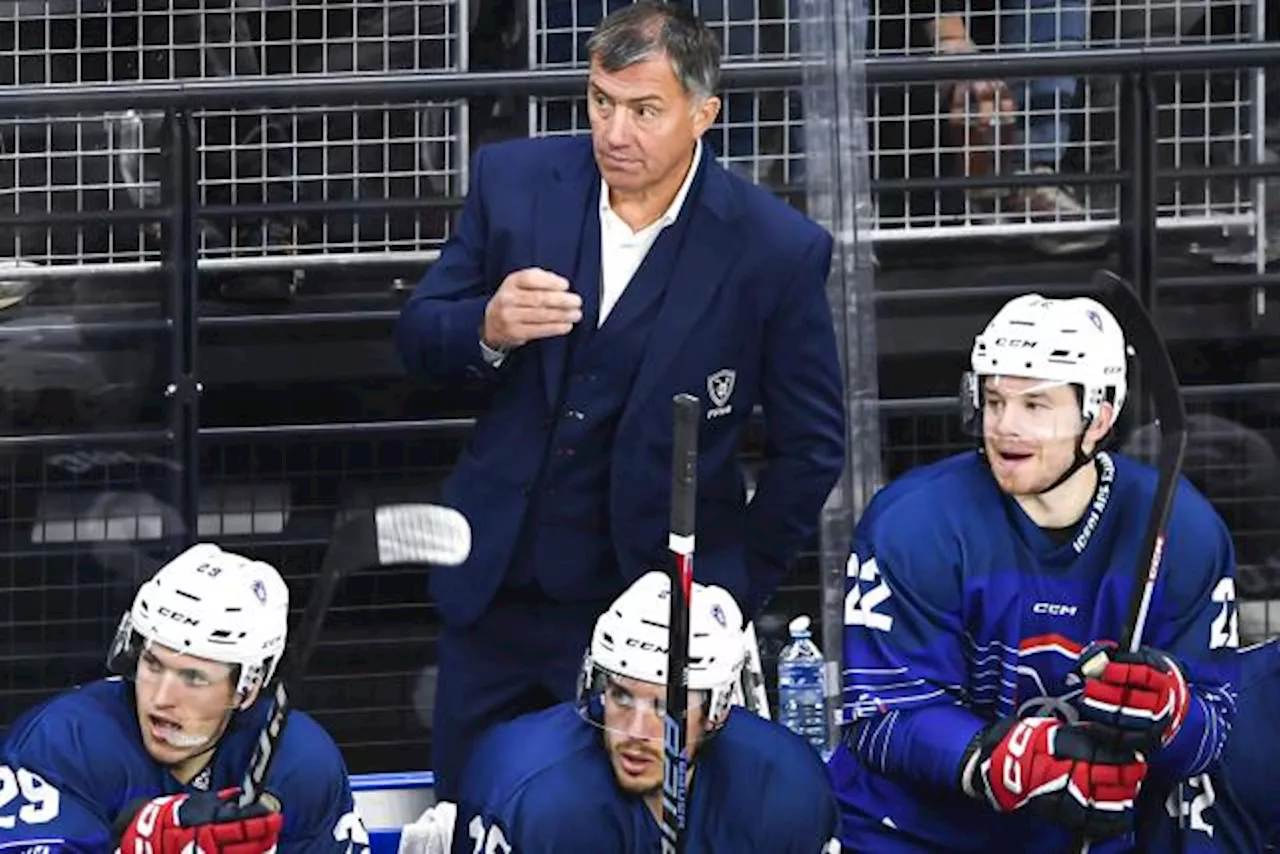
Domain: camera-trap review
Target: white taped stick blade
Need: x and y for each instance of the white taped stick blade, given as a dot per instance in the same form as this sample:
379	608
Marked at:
422	533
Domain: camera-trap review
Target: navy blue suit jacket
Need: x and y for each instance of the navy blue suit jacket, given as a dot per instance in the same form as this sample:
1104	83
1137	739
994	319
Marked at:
747	295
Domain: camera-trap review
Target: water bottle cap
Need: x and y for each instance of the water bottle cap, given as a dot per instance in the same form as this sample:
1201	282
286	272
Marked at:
800	625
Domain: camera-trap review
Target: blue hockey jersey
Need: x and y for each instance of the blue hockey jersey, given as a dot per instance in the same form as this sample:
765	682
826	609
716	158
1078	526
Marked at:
960	610
68	767
1233	808
542	784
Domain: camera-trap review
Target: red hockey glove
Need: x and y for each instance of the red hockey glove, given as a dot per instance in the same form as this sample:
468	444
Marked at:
1139	699
205	822
1058	772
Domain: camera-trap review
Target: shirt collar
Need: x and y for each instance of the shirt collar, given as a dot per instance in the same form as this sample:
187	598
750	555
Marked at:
672	212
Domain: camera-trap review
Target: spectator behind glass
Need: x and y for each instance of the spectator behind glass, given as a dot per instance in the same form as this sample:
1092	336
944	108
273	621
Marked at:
1043	129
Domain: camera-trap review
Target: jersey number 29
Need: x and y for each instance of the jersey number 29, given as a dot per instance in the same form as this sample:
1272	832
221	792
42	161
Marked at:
42	800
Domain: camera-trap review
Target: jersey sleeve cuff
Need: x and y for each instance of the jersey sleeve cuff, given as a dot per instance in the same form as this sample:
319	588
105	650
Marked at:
1193	748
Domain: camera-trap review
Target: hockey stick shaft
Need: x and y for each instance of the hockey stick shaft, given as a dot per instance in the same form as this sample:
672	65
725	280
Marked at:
1161	382
686	411
423	534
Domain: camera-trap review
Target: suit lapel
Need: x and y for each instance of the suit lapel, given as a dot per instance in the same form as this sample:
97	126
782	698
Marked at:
706	255
559	211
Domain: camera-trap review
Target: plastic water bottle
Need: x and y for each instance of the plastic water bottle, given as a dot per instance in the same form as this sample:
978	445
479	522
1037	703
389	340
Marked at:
802	695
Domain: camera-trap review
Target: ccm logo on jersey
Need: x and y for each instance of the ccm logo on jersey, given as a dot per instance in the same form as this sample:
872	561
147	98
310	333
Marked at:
1054	609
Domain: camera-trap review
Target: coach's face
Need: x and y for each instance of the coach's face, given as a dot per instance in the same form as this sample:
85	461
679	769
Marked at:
184	704
644	124
633	732
1030	431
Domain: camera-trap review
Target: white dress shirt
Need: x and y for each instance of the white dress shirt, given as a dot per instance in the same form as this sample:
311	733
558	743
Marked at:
623	250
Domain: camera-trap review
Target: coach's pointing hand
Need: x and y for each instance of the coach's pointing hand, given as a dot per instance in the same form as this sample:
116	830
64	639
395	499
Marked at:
530	304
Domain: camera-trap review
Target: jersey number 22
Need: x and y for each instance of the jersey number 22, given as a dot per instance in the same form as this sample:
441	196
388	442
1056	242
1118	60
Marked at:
490	841
867	592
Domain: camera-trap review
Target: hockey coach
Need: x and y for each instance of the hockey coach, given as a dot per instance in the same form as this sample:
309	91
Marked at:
588	281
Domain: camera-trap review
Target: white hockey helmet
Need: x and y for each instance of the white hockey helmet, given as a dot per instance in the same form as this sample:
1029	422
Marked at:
211	604
630	640
1075	341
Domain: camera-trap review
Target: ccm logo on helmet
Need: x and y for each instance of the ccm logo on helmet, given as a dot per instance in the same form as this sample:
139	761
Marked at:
645	646
178	617
1016	342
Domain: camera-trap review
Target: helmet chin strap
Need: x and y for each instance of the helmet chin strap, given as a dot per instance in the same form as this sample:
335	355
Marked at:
1080	460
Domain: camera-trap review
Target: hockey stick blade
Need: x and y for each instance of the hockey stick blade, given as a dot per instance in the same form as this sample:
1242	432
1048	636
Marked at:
422	533
687	412
398	534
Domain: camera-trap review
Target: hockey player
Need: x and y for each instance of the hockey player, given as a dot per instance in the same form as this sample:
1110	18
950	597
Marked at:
980	585
148	759
587	776
1233	808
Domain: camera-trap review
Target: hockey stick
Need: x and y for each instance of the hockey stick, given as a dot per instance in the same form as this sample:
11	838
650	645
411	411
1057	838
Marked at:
686	411
424	534
1161	382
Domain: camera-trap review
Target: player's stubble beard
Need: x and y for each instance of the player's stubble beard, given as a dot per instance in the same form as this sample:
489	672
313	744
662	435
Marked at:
647	787
1064	504
647	784
1030	467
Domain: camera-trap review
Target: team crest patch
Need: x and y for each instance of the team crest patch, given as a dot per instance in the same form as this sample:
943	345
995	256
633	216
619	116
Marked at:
720	389
717	614
1095	319
260	590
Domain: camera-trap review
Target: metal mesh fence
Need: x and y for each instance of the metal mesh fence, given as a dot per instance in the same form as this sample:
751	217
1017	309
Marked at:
300	159
295	159
371	678
1061	125
758	133
82	525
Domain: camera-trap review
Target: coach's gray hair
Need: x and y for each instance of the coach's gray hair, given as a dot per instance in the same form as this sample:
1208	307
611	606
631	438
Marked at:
643	29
